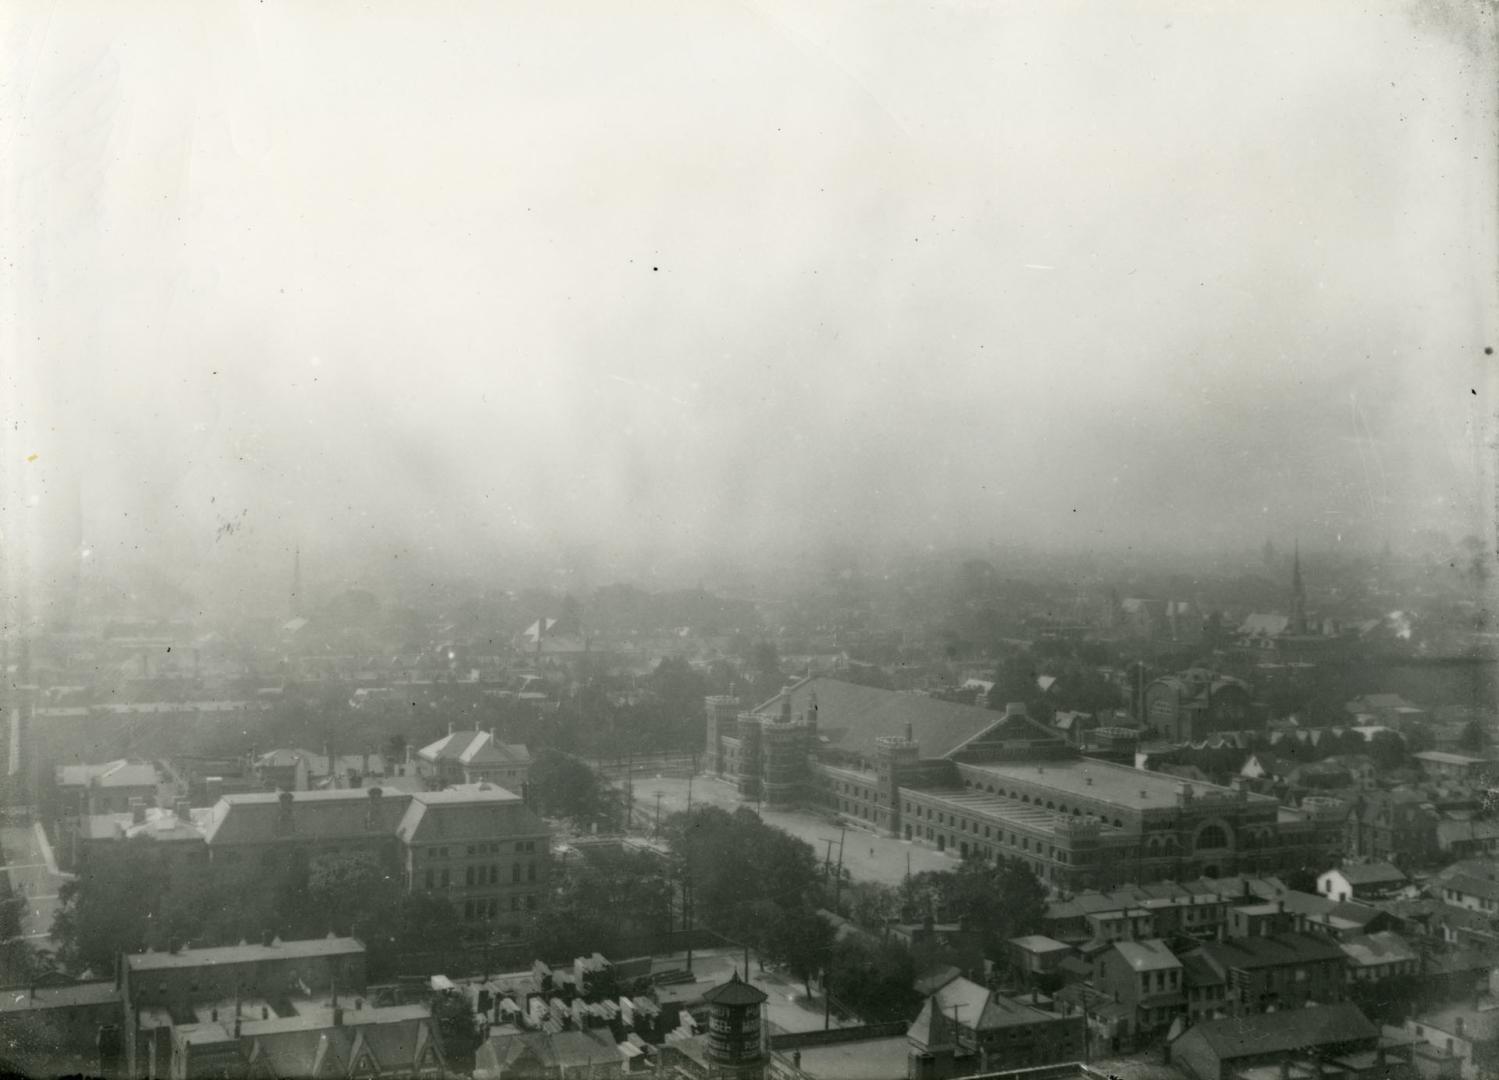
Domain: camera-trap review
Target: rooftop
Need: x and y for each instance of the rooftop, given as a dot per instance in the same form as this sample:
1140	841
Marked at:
1291	1029
475	748
58	997
1441	757
1117	785
244	954
112	774
1152	955
851	717
1371	874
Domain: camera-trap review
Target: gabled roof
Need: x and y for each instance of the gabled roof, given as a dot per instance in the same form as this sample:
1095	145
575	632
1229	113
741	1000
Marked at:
1368	950
112	774
1370	874
850	717
469	811
474	748
1272	950
1152	955
1278	1032
1475	877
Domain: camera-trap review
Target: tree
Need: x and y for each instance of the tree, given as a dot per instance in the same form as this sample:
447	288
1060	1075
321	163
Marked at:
355	892
999	900
565	786
874	979
735	860
1474	737
458	1028
801	939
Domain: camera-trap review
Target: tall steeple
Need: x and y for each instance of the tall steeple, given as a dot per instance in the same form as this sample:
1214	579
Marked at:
1298	594
296	581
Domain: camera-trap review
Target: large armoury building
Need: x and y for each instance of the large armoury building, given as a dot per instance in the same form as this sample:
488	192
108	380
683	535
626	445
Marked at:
976	781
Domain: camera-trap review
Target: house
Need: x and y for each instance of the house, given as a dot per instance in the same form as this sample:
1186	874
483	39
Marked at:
1471	884
1441	765
1468	1031
1195	703
1391	825
1466	839
1146	978
338	1039
51	1030
1037	955
965	1028
1390	710
107	788
1221	1049
1277	971
291	769
1374	958
1362	881
475	757
541	1055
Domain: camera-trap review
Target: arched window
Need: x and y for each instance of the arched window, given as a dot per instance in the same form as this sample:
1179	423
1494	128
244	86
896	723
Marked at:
1212	837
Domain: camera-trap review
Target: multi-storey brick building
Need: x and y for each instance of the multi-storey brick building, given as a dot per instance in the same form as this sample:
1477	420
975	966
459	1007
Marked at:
1001	784
477	845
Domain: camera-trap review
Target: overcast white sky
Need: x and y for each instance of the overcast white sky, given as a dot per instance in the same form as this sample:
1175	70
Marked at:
465	279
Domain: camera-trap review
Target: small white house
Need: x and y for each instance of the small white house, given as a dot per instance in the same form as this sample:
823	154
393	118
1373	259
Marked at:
1361	882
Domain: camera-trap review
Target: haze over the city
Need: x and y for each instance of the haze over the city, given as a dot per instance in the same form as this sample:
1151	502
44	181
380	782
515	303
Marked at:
459	284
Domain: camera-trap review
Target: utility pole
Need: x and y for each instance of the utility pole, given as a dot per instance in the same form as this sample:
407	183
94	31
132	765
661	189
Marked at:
657	833
838	882
689	793
957	1032
687	918
827	861
827	992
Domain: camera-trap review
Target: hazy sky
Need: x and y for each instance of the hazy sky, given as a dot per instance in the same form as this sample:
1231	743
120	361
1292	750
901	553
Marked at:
461	280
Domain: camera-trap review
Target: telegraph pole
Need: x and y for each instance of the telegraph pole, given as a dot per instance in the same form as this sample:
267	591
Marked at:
689	793
827	861
657	833
838	883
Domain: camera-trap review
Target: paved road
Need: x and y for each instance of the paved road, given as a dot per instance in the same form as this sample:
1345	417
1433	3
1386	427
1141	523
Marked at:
867	857
32	874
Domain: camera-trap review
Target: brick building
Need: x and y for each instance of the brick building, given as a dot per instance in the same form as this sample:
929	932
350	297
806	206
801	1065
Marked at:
1001	784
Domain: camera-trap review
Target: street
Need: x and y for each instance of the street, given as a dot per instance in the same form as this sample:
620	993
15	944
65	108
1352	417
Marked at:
34	875
866	856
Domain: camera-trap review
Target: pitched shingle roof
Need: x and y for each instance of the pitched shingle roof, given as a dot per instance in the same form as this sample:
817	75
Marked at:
1291	1029
474	748
852	717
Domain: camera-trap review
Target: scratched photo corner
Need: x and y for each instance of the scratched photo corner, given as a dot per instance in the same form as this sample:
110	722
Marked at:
772	540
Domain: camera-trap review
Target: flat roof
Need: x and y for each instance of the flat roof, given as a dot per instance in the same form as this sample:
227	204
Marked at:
243	954
1119	785
1004	808
23	999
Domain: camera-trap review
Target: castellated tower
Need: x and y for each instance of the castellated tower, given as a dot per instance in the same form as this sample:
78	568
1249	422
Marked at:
895	757
722	710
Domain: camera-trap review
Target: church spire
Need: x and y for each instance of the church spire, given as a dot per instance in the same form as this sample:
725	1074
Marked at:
1298	593
296	581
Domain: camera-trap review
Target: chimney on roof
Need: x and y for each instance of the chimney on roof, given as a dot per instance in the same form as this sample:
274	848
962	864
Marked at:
137	811
1459	1026
450	727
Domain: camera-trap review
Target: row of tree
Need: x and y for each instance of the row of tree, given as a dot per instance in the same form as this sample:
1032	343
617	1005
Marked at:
134	901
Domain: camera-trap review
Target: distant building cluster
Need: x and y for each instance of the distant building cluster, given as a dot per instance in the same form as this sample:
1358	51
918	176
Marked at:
979	782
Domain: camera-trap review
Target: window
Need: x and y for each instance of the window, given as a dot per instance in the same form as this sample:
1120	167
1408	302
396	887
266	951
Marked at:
468	876
446	880
494	874
430	877
530	903
515	873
